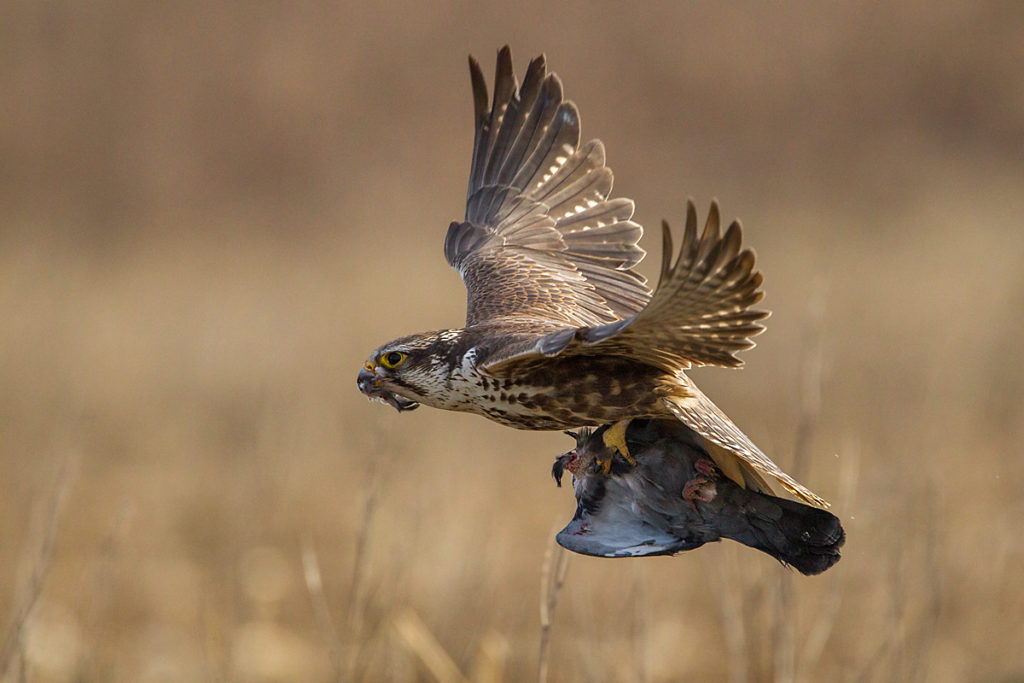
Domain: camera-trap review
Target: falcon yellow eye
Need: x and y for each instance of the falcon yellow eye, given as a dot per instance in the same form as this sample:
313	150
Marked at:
392	360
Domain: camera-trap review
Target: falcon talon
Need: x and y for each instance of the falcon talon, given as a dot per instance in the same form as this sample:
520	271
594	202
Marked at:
615	440
611	462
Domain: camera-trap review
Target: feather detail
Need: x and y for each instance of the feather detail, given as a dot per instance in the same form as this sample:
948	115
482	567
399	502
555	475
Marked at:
541	238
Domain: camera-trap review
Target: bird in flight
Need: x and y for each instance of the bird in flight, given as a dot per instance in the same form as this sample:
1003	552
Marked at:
561	330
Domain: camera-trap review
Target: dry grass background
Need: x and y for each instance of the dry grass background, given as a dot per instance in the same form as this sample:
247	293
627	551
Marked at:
210	212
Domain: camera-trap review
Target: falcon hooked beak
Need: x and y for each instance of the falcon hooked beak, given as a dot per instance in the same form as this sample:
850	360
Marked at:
371	380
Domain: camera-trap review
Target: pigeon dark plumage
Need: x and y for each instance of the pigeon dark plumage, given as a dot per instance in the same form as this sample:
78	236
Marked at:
676	499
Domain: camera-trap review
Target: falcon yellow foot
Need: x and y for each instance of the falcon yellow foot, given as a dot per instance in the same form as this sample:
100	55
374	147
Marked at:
615	442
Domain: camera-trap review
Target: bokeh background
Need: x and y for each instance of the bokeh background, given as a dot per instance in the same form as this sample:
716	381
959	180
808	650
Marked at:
211	212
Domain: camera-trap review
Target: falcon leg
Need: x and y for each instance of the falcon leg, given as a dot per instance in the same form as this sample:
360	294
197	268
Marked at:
615	442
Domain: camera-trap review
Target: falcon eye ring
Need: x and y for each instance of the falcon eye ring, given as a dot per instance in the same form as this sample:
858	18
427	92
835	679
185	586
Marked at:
392	360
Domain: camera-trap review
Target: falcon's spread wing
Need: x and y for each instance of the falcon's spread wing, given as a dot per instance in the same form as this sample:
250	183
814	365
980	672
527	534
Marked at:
541	239
699	315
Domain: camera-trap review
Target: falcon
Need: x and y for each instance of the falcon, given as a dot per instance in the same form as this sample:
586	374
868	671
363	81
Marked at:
561	330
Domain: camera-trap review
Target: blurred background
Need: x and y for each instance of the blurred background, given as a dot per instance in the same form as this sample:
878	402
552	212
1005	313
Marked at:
211	212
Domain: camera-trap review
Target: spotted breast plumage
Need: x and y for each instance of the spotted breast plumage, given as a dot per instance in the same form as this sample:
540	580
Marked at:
561	330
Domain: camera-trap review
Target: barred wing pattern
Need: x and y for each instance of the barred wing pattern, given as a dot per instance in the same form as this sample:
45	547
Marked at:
700	414
699	315
541	240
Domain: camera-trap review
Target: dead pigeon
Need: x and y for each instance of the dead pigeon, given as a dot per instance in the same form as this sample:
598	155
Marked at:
675	498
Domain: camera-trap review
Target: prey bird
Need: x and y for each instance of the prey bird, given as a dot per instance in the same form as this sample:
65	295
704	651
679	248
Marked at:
674	499
561	330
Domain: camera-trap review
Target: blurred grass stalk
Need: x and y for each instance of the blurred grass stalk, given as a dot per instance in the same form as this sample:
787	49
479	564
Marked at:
552	578
321	609
344	669
418	639
38	563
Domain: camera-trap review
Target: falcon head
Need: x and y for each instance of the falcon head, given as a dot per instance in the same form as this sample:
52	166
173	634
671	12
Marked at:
404	372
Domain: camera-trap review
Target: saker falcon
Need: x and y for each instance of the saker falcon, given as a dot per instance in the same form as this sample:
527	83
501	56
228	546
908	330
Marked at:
561	330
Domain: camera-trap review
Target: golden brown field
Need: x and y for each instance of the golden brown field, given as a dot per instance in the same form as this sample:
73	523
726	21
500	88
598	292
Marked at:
210	213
